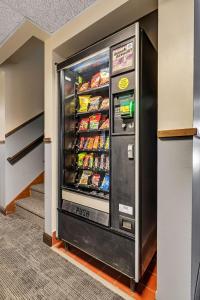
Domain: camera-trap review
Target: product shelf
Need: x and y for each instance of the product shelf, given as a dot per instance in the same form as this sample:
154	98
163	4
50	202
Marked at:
99	111
92	90
97	193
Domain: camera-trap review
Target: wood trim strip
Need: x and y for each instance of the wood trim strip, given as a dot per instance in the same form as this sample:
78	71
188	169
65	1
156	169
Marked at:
26	150
23	124
47	140
26	192
47	239
174	133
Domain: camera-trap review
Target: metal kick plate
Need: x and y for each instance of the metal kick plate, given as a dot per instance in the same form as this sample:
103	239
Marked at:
86	212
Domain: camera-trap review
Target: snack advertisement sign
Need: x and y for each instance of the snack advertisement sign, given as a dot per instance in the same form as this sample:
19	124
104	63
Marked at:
122	57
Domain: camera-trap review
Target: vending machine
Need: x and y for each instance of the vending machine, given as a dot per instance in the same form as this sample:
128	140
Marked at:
108	151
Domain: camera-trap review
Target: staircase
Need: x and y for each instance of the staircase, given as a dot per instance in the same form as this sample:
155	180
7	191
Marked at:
32	207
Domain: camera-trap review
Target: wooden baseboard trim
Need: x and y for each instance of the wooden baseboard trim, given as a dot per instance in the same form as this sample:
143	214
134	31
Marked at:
175	133
11	207
47	239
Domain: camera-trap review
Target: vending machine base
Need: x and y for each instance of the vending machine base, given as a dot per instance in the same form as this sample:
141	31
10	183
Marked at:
106	245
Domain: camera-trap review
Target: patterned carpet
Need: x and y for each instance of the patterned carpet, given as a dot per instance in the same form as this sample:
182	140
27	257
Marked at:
31	270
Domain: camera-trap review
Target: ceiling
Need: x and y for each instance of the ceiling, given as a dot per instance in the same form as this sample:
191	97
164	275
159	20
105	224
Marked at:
49	15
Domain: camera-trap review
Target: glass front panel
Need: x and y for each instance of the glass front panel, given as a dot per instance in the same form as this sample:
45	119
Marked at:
86	141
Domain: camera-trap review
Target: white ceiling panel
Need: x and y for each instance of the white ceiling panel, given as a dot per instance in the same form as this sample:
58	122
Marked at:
50	15
9	21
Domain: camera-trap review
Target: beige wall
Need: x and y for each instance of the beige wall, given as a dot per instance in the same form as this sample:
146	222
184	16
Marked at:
24	84
175	64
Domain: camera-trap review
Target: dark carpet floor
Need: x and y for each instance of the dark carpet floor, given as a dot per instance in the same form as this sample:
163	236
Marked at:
31	270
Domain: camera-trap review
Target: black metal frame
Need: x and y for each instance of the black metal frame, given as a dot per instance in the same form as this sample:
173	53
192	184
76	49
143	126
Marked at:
67	220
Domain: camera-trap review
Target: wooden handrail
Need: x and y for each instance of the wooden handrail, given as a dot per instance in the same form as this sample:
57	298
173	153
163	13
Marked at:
23	125
26	150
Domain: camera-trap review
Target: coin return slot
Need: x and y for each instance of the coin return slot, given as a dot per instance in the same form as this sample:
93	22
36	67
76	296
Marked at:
126	224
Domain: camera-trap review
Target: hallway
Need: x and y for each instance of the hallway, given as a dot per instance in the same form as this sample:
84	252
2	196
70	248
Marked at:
31	270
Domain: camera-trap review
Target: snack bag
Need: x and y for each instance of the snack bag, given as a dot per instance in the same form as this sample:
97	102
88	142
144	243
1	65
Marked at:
86	161
102	162
96	162
107	163
94	121
84	180
84	86
91	160
96	142
84	124
104	76
105	124
104	104
94	103
83	103
90	143
105	184
107	143
95	80
102	140
81	157
81	143
95	180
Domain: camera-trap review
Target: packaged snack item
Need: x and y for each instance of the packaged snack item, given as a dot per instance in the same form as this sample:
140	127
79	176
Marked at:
104	104
96	162
84	87
105	124
81	143
94	103
107	143
81	157
95	80
90	143
102	140
104	76
84	124
84	103
95	180
102	162
105	183
94	121
96	142
91	160
86	161
84	180
107	163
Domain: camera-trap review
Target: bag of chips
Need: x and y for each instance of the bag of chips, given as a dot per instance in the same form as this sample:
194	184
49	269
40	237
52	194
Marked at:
84	124
107	143
81	143
91	160
84	103
107	165
81	157
102	140
96	142
94	121
84	87
90	143
102	162
104	104
105	184
105	124
104	76
95	180
94	103
95	80
96	162
84	180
